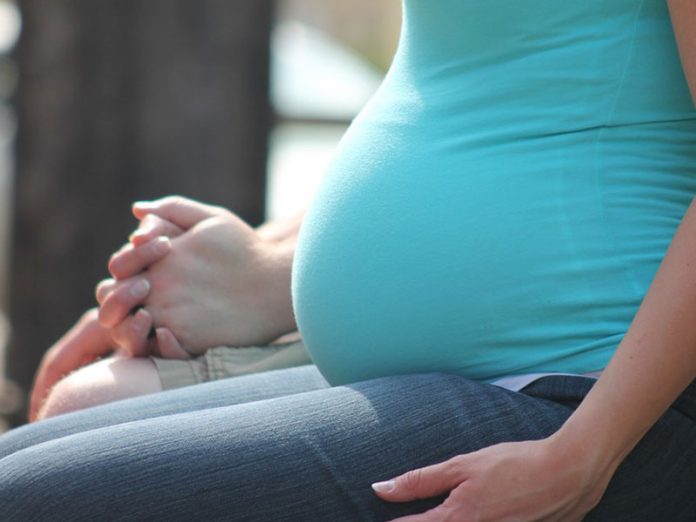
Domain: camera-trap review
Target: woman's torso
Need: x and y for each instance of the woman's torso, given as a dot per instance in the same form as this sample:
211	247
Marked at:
503	202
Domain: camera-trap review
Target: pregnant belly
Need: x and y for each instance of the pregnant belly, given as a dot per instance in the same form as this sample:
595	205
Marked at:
413	259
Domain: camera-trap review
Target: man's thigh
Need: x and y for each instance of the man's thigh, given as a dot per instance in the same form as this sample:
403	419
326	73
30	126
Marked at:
215	394
223	362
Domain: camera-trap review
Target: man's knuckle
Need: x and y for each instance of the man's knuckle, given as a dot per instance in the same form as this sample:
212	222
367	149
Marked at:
159	228
174	200
153	250
117	301
118	337
115	266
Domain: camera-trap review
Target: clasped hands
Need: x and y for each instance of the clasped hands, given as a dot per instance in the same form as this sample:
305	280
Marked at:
198	276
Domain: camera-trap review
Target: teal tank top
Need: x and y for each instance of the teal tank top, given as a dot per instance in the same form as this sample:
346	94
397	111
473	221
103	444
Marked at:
503	202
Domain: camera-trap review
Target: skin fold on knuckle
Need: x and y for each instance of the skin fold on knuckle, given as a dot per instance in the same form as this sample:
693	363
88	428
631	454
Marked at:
120	340
170	230
115	266
102	291
174	203
115	308
119	254
412	482
153	250
134	261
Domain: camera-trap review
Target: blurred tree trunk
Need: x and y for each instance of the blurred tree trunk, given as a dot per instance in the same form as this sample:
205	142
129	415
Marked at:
122	100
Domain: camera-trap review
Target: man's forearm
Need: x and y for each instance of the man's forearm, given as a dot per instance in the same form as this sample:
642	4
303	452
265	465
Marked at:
280	229
283	234
279	294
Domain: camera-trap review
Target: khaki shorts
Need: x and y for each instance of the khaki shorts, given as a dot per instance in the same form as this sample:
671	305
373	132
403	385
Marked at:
224	361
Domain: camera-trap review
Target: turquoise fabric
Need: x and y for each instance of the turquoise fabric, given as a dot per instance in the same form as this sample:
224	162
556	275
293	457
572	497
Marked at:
502	204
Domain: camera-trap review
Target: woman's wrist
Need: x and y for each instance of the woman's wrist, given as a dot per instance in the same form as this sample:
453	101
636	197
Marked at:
596	448
580	462
577	450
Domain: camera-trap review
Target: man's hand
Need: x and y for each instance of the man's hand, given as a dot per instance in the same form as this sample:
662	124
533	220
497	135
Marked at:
520	481
220	283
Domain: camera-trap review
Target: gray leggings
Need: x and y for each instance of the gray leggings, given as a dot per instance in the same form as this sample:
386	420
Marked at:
284	446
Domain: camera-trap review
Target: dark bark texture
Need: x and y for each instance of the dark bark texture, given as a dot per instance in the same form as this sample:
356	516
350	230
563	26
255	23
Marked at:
121	100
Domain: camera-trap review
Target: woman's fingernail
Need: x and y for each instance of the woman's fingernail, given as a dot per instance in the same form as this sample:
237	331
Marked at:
140	288
384	487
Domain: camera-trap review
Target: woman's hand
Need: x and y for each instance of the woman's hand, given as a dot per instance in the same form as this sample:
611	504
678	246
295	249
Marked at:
520	481
84	343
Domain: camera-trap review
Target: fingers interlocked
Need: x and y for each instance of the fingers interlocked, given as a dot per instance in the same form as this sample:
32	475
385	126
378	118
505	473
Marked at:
121	299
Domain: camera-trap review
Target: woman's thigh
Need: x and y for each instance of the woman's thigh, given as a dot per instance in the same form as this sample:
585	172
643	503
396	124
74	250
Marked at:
193	398
308	456
313	455
656	480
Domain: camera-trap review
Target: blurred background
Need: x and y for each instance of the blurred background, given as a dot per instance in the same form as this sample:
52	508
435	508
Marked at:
104	102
